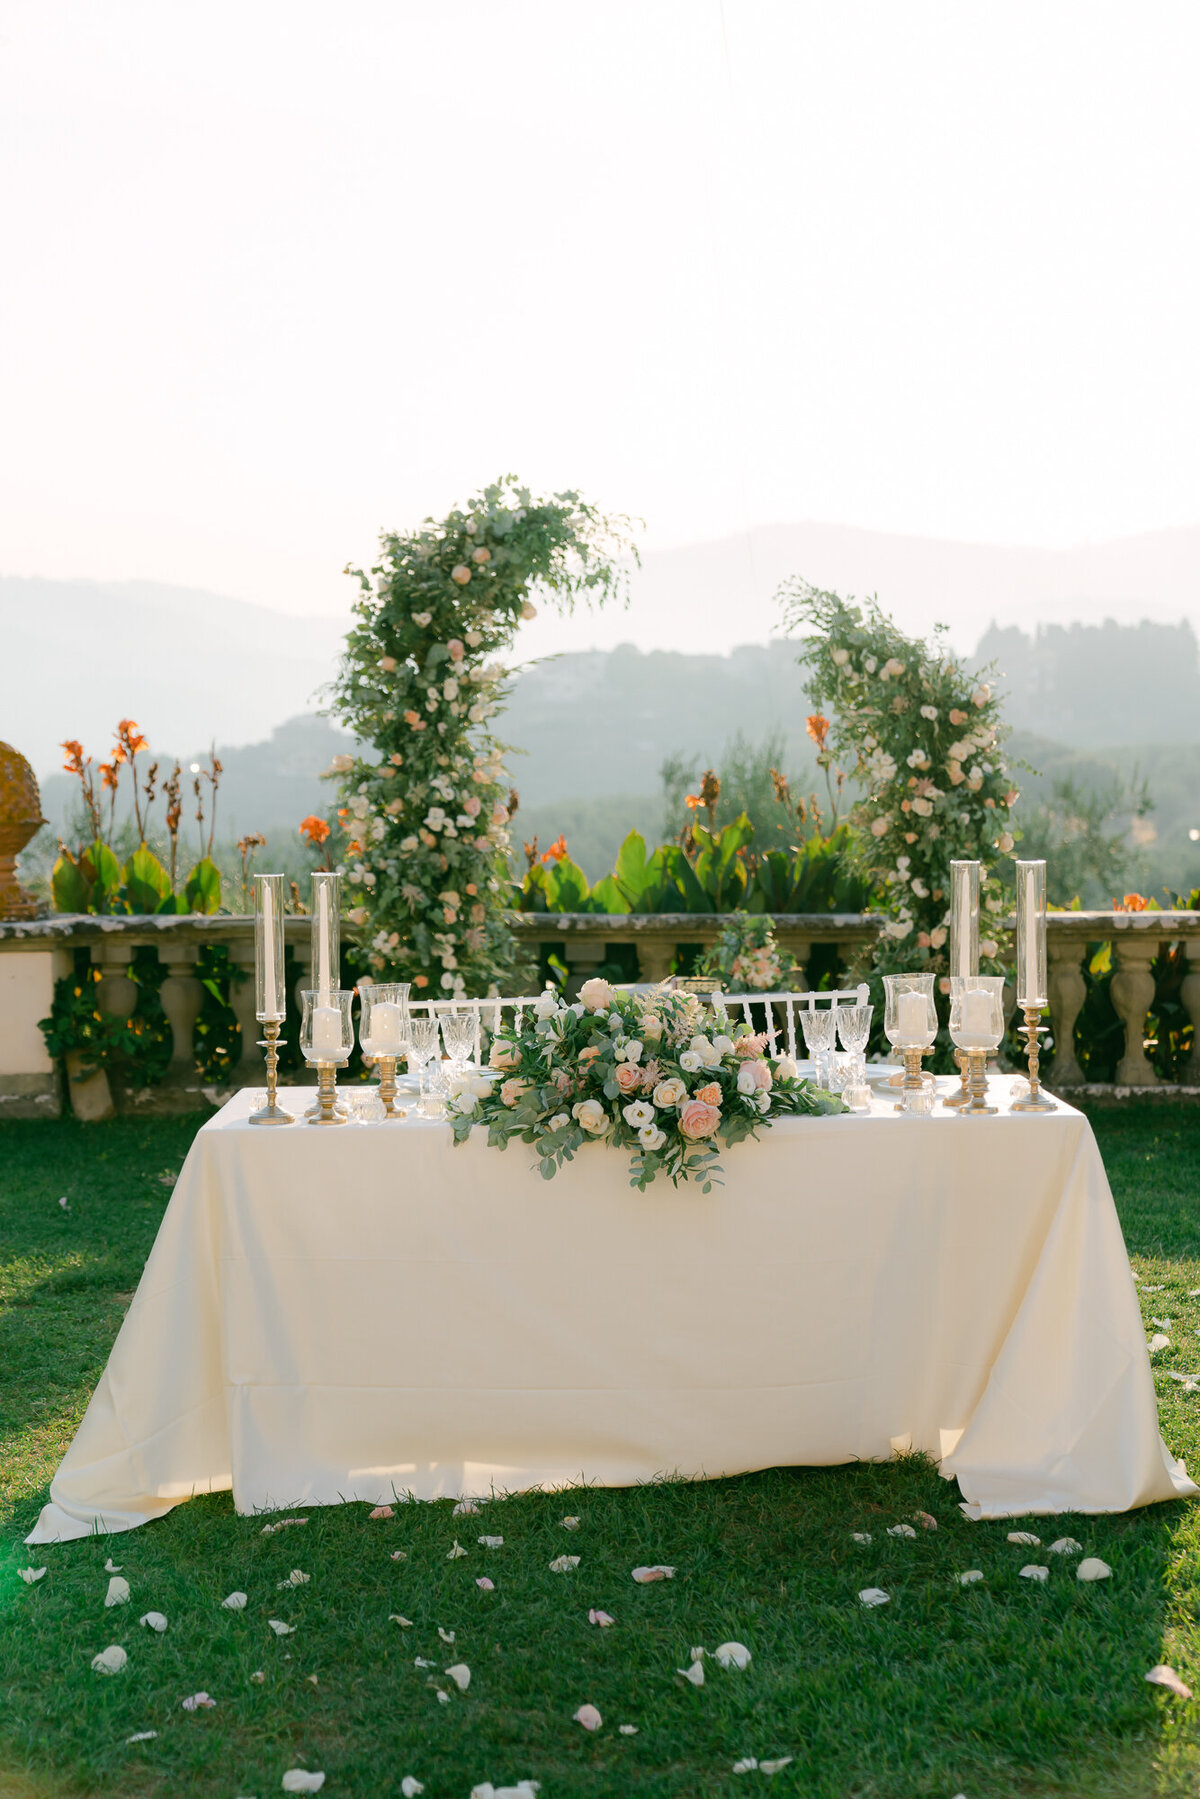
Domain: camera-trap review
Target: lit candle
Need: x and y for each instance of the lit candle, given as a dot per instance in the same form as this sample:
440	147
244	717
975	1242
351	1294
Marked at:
975	1029
1033	919
327	1030
912	1017
267	950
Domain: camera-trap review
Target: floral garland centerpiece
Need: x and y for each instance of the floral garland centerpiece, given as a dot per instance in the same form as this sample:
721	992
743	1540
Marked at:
658	1073
746	958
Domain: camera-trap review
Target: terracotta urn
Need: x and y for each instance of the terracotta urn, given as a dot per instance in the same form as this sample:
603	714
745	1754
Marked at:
20	819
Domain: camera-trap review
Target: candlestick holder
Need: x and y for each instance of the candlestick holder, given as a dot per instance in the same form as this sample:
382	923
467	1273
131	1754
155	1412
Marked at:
962	1093
328	1110
272	1112
386	1068
913	1078
326	1039
977	1106
1035	1103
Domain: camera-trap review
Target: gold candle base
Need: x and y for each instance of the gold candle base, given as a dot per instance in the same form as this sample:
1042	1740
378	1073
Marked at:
328	1111
913	1078
977	1106
962	1093
1035	1102
385	1067
272	1112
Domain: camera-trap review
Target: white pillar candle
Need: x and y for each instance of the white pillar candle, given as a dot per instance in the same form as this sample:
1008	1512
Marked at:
912	1017
386	1021
1032	920
324	982
975	1019
271	1004
327	1030
963	935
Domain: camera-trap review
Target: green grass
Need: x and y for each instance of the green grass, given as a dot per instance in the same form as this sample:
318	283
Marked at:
1003	1688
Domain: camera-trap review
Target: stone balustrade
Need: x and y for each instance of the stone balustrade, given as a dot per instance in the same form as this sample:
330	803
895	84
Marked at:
34	954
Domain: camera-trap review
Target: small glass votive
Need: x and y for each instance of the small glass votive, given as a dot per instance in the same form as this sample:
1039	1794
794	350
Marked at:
326	1026
918	1102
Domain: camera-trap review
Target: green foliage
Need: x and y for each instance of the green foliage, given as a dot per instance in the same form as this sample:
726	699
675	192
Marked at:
428	812
137	1047
1081	835
96	881
746	957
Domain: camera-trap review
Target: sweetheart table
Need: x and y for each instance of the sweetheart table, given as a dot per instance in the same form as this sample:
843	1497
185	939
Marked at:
368	1311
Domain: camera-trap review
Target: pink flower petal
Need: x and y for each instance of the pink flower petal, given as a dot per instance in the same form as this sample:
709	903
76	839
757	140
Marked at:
644	1576
197	1702
489	1586
589	1717
382	1511
603	1619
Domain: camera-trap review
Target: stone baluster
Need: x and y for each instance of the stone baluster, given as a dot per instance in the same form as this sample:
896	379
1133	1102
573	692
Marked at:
1189	996
181	994
1067	994
1132	996
655	956
116	992
801	948
251	1066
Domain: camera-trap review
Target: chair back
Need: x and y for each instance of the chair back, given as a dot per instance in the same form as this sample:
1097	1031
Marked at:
732	1003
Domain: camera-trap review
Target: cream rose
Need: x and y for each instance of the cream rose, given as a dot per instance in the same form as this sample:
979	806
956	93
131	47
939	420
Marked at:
669	1092
698	1119
690	1062
591	1116
787	1069
503	1054
707	1051
628	1077
597	995
511	1091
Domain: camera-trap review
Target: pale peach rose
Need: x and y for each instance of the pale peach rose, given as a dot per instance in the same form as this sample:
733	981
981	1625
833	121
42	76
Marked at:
958	716
503	1055
761	1073
596	995
473	806
511	1091
669	1093
560	1080
698	1119
456	649
711	1095
923	939
387	664
628	1077
589	1054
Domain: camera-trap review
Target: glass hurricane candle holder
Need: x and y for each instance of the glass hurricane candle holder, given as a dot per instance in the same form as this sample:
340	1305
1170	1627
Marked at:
270	991
976	1027
1032	983
964	949
910	1024
326	1040
326	933
385	1033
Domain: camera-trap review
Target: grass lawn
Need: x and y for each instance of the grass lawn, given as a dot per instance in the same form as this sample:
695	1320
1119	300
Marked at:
999	1688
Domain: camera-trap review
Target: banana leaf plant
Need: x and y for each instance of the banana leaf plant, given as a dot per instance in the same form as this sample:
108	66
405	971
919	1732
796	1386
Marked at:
96	881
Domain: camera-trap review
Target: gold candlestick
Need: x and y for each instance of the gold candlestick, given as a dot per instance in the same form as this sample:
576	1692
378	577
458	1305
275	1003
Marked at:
272	1112
386	1068
962	1093
1035	1102
328	1111
913	1079
977	1106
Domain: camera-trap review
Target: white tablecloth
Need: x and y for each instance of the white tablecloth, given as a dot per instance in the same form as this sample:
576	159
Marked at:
365	1311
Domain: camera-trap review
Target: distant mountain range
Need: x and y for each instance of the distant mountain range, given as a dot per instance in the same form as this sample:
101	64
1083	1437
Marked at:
191	666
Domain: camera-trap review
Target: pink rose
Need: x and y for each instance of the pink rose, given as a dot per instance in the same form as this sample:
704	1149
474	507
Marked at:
387	664
628	1077
473	806
698	1119
457	652
761	1075
511	1091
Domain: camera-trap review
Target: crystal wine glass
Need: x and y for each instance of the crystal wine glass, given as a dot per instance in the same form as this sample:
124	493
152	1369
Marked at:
458	1034
853	1028
422	1050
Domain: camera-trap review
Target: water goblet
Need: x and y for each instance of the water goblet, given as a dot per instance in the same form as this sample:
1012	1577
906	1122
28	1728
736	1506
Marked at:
423	1047
820	1028
458	1034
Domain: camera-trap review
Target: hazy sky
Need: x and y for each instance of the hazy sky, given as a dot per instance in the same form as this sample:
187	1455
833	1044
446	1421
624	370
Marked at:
276	274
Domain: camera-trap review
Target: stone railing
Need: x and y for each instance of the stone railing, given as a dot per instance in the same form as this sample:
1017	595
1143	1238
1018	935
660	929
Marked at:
34	954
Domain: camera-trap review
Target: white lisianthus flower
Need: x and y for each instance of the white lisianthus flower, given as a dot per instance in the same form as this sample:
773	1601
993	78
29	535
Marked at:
763	1102
639	1114
651	1138
590	1114
787	1069
929	712
633	1050
422	619
689	1061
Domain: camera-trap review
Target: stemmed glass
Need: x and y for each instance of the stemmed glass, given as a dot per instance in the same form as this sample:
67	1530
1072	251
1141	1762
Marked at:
423	1048
853	1029
820	1035
458	1034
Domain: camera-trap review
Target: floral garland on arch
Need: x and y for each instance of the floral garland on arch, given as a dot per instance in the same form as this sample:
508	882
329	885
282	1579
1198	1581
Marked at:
924	738
658	1073
427	805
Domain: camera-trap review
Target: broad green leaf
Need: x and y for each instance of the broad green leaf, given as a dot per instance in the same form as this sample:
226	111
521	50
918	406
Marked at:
566	886
102	866
202	889
147	883
608	896
630	872
70	887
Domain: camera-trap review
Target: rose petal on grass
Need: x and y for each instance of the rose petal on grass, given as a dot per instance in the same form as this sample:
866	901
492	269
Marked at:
258	1676
299	1780
1092	1568
488	1586
153	1621
29	1575
603	1619
312	1677
1157	1342
492	1542
410	1786
563	1564
447	1636
774	1766
399	1555
694	1673
280	1628
196	1702
570	1524
268	1530
628	1730
110	1660
1164	1324
874	1596
901	1530
747	1765
395	1618
1026	1538
970	1577
1146	1289
1163	1676
659	1571
452	1555
466	1508
420	1661
1064	1546
697	1655
927	1521
588	1716
118	1591
145	1736
381	1511
234	1602
460	1674
297	1578
442	1698
860	1536
732	1655
111	1567
1031	1571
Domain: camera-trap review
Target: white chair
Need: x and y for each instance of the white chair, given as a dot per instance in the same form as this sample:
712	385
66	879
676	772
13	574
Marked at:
730	1002
489	1012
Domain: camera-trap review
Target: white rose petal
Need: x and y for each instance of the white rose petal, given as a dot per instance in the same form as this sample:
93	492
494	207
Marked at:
1065	1546
198	1702
860	1536
110	1660
1026	1538
732	1655
118	1591
901	1530
452	1555
1163	1676
1031	1571
1157	1342
694	1673
460	1674
588	1716
631	1730
111	1567
297	1578
299	1780
410	1786
570	1524
466	1508
29	1575
644	1576
395	1618
492	1542
153	1621
146	1736
970	1577
562	1564
280	1628
747	1765
773	1767
236	1602
603	1619
874	1596
447	1636
1092	1568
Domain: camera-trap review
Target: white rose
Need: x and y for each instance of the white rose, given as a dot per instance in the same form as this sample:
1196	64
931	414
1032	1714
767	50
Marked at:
920	889
981	695
929	712
651	1138
464	1100
590	1114
763	1102
633	1050
708	1053
650	1026
450	689
560	1121
989	947
723	1045
596	995
689	1061
787	1069
870	664
408	844
1006	843
746	1082
879	826
546	1005
639	1114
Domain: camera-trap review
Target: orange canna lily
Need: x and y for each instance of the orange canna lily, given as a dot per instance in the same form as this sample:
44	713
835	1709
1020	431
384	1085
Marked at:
109	773
818	728
557	850
693	802
314	828
1133	902
74	762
